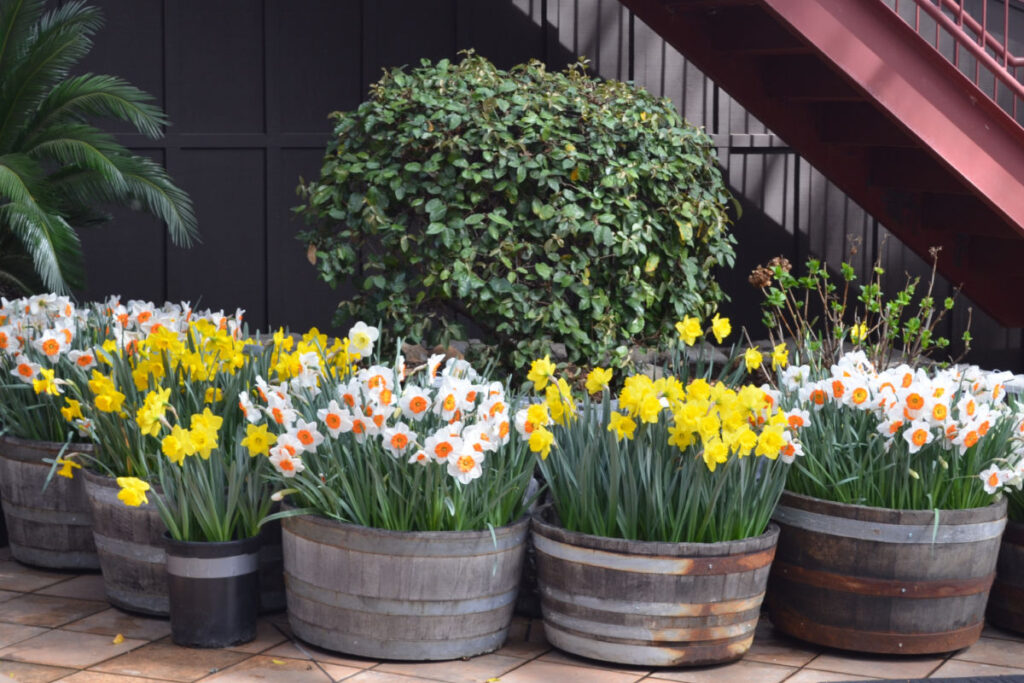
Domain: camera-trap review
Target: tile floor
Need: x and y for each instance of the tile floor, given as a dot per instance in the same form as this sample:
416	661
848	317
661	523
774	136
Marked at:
57	626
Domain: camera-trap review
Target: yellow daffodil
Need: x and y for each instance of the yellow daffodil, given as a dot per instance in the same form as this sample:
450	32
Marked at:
540	442
753	359
622	425
71	411
689	329
541	371
721	328
258	440
46	385
177	445
598	379
66	467
133	491
780	356
859	333
715	453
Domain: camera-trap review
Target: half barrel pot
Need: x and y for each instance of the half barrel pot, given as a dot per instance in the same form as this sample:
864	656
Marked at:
50	528
214	590
130	544
401	595
1006	603
880	580
646	603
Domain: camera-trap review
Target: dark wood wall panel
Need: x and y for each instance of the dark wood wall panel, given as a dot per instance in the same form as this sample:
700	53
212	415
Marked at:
313	62
228	270
296	297
215	66
126	256
398	32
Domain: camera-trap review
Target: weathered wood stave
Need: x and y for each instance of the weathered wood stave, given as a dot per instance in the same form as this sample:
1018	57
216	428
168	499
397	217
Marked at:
49	528
1006	602
401	595
129	541
654	604
879	580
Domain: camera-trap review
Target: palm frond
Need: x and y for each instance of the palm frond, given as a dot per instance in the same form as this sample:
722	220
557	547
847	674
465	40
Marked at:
49	241
148	185
58	41
81	145
94	95
16	20
19	176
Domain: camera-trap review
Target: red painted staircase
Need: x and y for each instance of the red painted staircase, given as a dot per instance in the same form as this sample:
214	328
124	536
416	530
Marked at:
860	94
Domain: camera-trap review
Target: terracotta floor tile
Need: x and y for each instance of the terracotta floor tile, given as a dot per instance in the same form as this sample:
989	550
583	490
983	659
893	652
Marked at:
813	676
458	671
382	677
166	660
538	671
276	669
67	648
30	673
558	657
8	595
98	677
267	635
300	650
525	639
775	647
742	671
112	621
876	666
18	577
84	587
15	633
338	673
46	610
995	651
958	668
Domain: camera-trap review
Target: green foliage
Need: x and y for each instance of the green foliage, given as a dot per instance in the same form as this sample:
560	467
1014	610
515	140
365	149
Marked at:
55	168
822	317
545	207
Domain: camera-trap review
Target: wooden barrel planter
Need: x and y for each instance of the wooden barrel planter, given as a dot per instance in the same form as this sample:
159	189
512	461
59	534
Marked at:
1006	603
401	595
50	528
881	580
130	544
651	604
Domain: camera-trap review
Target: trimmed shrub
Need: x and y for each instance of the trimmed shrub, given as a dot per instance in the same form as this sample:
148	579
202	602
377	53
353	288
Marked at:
544	207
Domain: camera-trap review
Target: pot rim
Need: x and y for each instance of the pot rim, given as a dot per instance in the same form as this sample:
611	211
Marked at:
212	546
867	513
752	544
87	446
323	520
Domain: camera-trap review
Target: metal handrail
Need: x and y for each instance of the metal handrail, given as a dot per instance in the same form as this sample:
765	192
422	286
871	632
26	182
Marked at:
1003	66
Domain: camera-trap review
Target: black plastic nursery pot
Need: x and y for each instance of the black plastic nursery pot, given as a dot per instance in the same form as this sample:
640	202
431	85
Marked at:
214	591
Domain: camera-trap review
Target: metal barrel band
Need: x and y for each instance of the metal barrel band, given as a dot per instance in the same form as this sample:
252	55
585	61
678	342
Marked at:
887	533
379	542
137	551
872	641
650	633
43	516
412	608
889	588
651	564
654	609
213	567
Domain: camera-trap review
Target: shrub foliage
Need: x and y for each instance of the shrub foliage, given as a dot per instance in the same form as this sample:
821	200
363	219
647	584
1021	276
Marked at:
544	207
